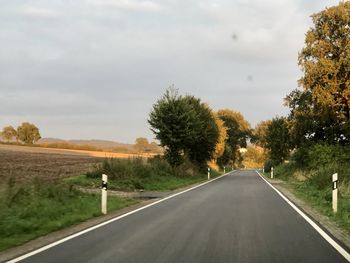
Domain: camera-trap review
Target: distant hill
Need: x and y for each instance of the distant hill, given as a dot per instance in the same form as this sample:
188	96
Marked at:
100	144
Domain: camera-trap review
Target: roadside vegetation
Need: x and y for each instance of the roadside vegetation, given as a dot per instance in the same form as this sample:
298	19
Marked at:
38	207
154	174
310	179
313	141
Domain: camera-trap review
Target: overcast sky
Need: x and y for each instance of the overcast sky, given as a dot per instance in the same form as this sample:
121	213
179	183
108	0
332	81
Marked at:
91	69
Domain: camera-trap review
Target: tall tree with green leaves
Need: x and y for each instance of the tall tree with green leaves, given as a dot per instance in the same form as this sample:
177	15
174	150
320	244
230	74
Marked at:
28	133
202	148
8	133
278	140
185	127
325	61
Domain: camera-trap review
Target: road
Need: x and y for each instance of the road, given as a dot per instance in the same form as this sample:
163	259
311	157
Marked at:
237	218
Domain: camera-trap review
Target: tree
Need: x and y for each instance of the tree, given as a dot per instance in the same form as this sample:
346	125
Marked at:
254	157
220	145
142	144
238	131
155	148
305	125
278	140
325	61
8	133
259	133
201	149
185	127
28	133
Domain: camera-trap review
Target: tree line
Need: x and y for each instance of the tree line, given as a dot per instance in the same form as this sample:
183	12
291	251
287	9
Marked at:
320	109
26	133
189	130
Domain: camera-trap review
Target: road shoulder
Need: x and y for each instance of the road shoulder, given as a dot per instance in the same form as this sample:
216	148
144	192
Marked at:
330	226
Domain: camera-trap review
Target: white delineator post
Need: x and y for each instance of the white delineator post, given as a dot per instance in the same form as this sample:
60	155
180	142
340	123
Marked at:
104	194
271	172
335	192
224	169
263	169
208	173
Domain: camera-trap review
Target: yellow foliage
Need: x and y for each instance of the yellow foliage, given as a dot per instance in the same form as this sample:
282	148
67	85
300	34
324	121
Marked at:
220	145
260	132
236	115
254	157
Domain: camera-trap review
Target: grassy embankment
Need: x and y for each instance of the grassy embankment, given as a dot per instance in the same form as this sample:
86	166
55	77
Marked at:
309	174
139	174
32	209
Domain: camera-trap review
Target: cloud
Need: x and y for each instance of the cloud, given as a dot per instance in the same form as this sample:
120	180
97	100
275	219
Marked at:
38	12
130	5
76	65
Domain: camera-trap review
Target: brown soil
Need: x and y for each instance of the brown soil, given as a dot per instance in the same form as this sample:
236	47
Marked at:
24	163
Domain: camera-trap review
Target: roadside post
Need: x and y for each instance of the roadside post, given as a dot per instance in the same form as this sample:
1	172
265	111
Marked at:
263	169
335	192
224	169
271	172
208	173
104	194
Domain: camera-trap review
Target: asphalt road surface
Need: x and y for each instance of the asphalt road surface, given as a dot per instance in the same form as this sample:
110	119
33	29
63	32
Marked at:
237	218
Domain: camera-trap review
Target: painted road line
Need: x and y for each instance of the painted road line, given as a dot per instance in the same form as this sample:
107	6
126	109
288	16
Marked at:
27	255
330	240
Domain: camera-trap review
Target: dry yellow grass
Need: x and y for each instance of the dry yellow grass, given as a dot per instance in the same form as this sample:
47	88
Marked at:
72	152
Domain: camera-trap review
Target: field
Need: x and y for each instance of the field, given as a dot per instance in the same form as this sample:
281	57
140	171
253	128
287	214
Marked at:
22	162
37	197
34	200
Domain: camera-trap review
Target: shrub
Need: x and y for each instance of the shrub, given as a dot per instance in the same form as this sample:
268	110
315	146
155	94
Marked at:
301	157
268	165
142	168
285	170
324	155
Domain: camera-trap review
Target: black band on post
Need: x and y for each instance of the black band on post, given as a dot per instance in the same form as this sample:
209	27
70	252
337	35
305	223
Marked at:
335	185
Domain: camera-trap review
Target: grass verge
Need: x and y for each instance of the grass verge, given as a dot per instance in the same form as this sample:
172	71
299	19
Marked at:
322	200
304	187
35	209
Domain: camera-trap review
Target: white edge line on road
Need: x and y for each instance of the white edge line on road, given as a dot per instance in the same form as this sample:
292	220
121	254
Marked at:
32	253
330	240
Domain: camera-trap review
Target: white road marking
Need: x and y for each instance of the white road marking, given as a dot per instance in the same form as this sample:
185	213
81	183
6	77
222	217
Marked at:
330	240
108	222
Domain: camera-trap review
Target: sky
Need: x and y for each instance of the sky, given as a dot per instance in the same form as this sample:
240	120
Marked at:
92	69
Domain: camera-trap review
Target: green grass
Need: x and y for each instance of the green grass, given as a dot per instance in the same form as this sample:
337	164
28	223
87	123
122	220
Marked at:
322	201
138	174
30	211
153	183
